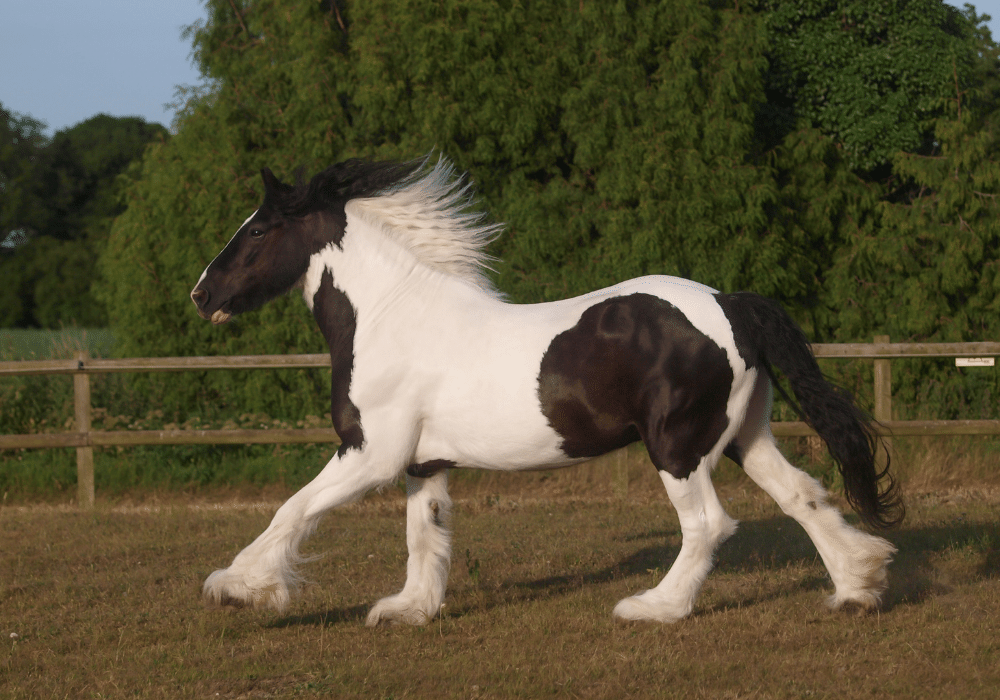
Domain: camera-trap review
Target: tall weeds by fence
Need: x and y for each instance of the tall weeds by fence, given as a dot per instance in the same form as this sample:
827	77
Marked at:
44	404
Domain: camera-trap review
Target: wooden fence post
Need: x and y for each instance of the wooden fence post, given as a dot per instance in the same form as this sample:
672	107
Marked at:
883	390
84	455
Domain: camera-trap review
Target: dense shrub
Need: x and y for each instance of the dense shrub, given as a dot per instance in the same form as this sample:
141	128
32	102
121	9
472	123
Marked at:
795	149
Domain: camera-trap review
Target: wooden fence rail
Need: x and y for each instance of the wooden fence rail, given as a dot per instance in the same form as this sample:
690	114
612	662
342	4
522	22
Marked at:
84	439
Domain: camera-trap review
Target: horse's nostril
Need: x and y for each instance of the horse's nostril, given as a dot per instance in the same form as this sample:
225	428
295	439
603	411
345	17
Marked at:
199	296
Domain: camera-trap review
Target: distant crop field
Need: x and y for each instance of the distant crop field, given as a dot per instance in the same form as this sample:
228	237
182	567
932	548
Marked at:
106	604
36	344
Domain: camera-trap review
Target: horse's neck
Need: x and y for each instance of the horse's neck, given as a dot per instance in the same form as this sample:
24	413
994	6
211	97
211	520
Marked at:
382	279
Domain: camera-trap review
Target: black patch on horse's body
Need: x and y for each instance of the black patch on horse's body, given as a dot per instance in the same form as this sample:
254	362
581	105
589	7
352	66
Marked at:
746	328
429	468
634	367
337	319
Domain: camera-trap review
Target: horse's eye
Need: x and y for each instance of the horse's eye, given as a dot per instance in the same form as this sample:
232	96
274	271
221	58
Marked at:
256	233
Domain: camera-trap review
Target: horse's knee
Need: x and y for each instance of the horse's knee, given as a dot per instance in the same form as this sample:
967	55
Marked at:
428	506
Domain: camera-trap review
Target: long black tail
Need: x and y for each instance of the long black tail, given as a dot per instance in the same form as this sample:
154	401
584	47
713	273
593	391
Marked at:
766	335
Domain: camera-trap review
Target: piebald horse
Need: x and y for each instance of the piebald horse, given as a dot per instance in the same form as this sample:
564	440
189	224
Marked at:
433	370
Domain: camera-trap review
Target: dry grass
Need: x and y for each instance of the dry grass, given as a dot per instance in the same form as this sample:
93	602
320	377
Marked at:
105	605
935	463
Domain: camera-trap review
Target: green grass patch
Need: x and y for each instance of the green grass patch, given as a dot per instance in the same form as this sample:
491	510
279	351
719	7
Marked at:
50	475
37	344
922	464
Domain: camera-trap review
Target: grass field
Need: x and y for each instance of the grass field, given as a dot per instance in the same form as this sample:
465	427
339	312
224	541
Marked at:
106	604
36	344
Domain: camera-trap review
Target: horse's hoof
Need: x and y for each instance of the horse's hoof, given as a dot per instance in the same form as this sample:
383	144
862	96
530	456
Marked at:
223	589
639	608
384	615
859	603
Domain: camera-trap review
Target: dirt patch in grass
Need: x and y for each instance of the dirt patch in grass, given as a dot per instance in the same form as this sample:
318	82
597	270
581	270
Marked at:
106	604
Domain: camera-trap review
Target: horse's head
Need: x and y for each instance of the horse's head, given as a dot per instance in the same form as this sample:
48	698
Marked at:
268	255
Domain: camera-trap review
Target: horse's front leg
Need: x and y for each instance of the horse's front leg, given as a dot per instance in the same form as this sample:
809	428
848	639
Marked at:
428	541
264	574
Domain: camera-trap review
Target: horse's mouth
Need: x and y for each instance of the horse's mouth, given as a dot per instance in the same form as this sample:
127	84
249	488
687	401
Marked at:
220	317
217	317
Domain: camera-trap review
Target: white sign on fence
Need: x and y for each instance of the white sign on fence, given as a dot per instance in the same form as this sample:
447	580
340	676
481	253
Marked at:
974	361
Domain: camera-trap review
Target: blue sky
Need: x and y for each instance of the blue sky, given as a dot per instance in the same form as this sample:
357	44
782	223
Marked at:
62	62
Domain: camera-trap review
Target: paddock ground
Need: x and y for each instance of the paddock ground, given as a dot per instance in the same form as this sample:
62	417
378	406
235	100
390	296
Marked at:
105	605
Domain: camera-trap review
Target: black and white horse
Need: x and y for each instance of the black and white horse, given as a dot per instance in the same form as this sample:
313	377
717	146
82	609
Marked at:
433	370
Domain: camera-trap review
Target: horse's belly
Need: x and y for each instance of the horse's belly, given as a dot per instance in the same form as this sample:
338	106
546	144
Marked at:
486	412
496	427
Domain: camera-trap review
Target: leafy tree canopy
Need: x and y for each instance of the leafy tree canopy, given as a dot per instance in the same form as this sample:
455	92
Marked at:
22	139
870	74
58	199
779	147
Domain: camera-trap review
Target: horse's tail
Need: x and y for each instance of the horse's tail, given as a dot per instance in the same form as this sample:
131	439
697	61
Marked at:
766	335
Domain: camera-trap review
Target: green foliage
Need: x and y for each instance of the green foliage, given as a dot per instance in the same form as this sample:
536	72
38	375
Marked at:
56	207
612	139
777	148
930	269
40	474
275	68
21	206
34	344
867	73
83	163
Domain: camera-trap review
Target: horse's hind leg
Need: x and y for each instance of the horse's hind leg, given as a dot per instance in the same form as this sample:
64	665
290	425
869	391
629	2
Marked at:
856	560
704	526
428	541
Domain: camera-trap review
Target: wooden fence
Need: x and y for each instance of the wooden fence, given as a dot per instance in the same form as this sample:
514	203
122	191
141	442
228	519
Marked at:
84	439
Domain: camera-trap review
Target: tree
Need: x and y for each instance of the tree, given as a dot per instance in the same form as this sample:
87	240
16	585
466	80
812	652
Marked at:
277	68
925	264
615	139
870	74
22	211
64	194
22	141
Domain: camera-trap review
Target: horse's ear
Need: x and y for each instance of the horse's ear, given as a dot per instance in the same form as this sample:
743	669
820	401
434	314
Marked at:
271	183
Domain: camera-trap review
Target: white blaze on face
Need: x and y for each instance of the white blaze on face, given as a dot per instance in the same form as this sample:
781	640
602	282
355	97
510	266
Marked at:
205	271
227	244
245	222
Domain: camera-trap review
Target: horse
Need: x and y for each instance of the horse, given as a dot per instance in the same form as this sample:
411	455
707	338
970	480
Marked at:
433	370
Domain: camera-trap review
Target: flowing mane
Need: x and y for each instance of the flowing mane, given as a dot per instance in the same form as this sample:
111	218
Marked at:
432	213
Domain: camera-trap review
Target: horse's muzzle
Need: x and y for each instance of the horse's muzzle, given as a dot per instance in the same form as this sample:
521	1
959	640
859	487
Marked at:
200	297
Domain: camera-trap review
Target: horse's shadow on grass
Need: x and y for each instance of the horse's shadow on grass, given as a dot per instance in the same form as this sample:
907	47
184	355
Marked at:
759	546
917	573
354	614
